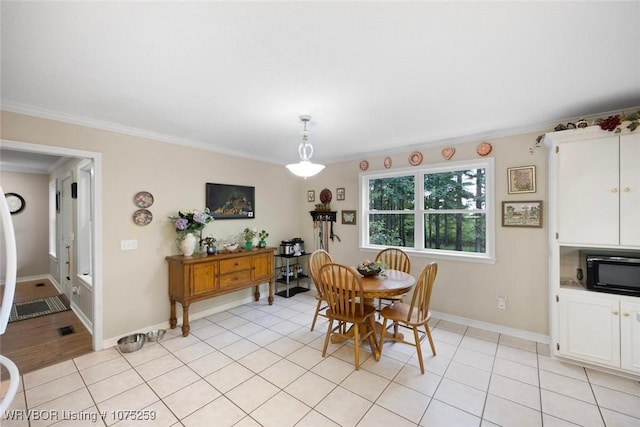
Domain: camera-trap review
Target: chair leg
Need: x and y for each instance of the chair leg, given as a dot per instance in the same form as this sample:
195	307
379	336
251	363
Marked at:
372	339
433	347
326	338
356	341
382	333
315	316
416	337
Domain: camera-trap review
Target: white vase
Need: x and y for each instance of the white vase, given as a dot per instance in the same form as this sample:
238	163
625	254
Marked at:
188	244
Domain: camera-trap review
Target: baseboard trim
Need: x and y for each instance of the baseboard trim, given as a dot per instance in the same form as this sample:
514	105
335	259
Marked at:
519	333
110	342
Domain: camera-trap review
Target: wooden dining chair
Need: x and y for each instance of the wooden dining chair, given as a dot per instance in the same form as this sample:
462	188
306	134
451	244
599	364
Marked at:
317	259
414	315
343	291
393	259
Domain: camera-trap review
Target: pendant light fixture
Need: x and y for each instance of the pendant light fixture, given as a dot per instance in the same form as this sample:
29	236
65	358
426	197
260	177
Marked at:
305	168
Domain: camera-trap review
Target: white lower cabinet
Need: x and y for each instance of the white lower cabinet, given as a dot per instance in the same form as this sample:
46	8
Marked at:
630	336
602	329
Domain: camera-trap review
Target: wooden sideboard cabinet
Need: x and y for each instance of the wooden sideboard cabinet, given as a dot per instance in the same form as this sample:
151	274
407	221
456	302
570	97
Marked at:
202	277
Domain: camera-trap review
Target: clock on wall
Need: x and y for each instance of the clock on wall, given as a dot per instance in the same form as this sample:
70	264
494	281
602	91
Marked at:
15	202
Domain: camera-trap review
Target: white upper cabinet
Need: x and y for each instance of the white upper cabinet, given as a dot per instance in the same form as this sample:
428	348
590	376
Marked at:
630	190
597	192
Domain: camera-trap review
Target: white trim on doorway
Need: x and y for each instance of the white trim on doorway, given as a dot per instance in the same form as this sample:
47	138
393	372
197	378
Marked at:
98	312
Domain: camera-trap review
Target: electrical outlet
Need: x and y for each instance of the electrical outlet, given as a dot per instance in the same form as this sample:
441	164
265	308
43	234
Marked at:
502	302
128	245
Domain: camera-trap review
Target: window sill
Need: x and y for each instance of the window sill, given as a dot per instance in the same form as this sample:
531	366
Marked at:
447	256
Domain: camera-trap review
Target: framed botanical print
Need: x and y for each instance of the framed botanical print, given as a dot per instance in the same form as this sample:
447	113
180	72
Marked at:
340	193
522	179
311	196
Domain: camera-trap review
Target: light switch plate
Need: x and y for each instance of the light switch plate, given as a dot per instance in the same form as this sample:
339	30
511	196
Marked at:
128	245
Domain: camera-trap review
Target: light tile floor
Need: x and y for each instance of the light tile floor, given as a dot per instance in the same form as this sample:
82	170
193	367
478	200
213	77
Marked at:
259	365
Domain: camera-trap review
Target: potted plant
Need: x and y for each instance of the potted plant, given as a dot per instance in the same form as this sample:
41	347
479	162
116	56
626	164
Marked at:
249	234
262	236
210	243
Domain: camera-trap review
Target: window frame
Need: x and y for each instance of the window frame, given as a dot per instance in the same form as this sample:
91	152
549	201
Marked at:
419	212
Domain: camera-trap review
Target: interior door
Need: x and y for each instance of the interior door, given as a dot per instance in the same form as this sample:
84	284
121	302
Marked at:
66	236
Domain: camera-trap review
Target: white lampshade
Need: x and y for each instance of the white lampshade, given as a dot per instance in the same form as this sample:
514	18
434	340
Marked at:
305	168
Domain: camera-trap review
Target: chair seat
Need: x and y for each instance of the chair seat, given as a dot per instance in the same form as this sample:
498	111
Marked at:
368	311
398	312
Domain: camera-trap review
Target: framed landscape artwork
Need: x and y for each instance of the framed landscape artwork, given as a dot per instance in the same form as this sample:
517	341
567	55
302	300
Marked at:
522	179
231	201
522	214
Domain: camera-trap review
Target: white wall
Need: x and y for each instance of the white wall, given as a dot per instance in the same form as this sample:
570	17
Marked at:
32	224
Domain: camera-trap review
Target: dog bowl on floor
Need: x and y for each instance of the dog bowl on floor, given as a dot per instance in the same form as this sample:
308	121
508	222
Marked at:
155	335
131	343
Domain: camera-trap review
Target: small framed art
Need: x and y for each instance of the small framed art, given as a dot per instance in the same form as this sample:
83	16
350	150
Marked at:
522	179
522	214
311	196
339	193
348	217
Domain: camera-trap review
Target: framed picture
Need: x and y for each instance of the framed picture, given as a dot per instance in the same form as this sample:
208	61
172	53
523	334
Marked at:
339	193
348	217
231	201
522	179
522	214
311	196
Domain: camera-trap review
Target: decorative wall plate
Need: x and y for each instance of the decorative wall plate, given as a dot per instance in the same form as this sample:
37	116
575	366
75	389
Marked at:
415	158
326	196
387	162
448	152
142	217
484	148
143	199
364	165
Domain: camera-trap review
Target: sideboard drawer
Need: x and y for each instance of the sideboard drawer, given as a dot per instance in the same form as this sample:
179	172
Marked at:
234	279
235	264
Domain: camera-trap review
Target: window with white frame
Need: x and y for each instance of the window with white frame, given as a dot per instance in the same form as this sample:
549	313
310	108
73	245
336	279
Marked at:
440	209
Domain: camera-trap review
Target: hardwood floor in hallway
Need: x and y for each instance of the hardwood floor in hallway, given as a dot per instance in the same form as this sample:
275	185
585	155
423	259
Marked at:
36	343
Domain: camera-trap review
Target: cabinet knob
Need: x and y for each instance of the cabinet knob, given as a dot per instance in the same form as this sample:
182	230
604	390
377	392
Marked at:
625	314
615	312
627	189
614	190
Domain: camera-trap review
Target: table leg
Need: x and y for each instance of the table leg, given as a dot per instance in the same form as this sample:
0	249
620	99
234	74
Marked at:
173	321
256	293
271	292
185	320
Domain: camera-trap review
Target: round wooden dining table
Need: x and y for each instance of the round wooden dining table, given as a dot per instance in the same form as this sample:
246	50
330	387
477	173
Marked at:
389	283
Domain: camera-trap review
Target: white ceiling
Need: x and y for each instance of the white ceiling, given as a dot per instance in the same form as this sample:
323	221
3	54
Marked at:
377	77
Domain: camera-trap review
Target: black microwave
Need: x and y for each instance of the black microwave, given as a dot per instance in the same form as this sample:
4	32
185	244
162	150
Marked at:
616	273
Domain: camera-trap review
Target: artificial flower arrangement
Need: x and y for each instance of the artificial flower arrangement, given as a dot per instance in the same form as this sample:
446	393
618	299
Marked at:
263	235
191	221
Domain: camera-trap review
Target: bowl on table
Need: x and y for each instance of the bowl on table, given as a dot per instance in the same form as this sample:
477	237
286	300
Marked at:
131	343
369	269
231	246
